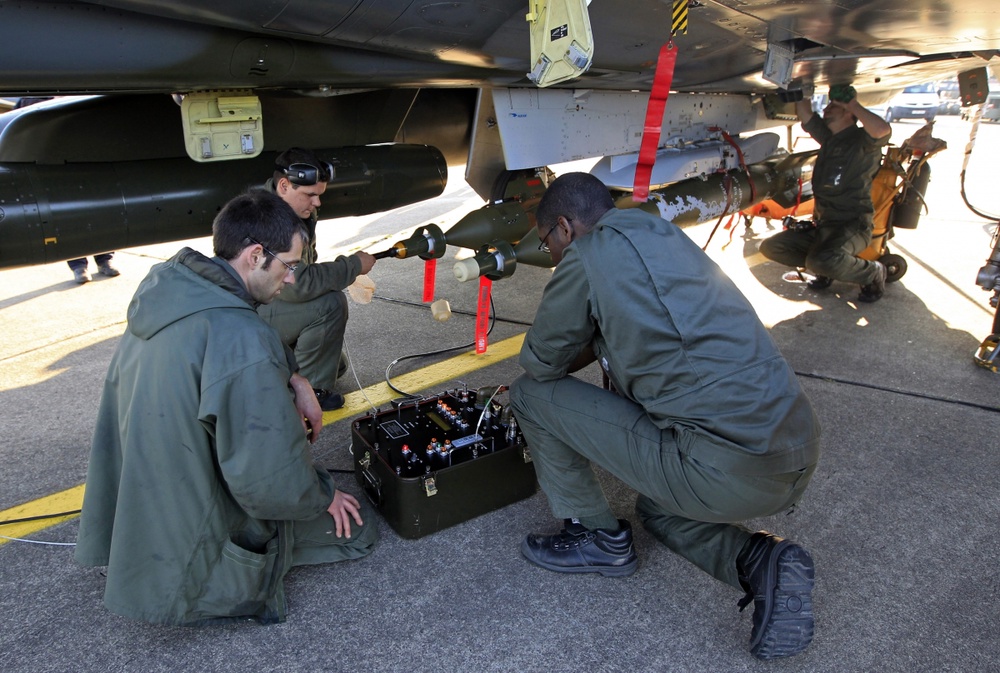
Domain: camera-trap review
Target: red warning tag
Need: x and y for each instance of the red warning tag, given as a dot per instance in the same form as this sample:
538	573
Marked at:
430	271
483	314
662	81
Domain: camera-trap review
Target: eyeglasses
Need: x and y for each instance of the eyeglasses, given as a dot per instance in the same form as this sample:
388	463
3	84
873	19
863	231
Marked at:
288	266
307	174
543	246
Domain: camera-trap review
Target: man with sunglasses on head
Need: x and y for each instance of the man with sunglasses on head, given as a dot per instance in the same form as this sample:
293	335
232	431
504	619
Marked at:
311	315
201	489
704	419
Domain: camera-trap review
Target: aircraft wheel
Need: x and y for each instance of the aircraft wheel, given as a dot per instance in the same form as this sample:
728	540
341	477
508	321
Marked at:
895	267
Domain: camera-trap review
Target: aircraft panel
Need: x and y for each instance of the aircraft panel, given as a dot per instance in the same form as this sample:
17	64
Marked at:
541	127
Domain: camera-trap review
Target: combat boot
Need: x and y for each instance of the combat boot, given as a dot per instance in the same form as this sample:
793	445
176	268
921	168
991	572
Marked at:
778	576
874	290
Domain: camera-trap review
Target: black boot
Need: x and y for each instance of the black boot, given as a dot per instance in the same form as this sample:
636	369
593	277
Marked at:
576	549
778	576
874	290
820	282
329	400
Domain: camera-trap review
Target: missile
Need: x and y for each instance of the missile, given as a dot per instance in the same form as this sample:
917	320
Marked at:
719	194
503	233
427	242
495	261
53	212
783	179
490	230
504	220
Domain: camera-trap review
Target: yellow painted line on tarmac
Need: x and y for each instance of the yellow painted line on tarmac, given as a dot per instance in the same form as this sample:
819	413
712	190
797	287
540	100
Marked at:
433	375
354	404
69	500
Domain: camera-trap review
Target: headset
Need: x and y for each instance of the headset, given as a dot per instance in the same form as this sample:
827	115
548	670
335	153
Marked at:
307	174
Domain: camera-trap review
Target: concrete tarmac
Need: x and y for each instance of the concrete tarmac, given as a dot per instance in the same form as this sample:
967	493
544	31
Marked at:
900	516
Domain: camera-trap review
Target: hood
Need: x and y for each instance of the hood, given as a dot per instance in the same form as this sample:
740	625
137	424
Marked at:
186	284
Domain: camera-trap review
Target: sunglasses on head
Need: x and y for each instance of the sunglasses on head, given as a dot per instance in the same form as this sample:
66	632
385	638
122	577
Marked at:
307	174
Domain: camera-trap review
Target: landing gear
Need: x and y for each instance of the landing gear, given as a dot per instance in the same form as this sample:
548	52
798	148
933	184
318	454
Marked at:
988	354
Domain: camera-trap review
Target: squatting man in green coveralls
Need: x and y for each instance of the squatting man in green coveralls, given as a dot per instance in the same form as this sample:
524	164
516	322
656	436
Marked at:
848	159
201	492
708	423
311	315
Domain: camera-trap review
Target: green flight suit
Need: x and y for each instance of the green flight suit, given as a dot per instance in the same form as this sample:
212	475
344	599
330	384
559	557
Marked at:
201	492
842	183
311	315
708	424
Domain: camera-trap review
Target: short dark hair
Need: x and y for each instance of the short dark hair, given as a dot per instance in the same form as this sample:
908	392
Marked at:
298	155
258	214
575	196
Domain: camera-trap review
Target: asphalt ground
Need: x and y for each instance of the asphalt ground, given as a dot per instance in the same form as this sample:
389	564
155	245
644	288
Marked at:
900	516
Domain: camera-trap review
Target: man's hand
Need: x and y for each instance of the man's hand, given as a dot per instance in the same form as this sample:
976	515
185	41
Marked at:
343	508
367	261
842	93
307	406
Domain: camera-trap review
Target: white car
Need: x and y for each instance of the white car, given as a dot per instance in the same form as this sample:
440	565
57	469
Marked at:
920	101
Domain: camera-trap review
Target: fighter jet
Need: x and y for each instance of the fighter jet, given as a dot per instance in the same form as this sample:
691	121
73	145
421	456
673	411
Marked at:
162	111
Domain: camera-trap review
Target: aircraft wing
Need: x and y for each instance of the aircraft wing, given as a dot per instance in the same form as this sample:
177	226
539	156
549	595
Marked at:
113	162
318	46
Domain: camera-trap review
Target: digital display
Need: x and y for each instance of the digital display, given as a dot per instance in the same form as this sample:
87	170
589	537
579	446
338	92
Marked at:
440	422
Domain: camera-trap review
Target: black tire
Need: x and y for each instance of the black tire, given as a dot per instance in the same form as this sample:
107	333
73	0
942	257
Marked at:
895	267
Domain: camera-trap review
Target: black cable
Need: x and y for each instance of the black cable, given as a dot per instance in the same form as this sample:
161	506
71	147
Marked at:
437	352
968	153
39	517
908	393
407	302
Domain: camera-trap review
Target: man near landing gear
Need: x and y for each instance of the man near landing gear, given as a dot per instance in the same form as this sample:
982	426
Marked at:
848	159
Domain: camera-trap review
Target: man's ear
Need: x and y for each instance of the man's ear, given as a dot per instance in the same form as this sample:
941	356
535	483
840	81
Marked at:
251	255
567	227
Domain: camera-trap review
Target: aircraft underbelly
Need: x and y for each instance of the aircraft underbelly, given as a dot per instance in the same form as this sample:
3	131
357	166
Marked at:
543	127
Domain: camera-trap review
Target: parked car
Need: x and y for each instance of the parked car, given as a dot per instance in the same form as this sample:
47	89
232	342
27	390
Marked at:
949	95
919	101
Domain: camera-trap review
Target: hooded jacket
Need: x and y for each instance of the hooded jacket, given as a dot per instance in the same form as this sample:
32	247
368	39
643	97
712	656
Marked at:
199	462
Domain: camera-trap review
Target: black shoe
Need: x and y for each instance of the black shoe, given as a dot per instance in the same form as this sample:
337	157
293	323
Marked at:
778	576
328	399
820	282
576	549
874	290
